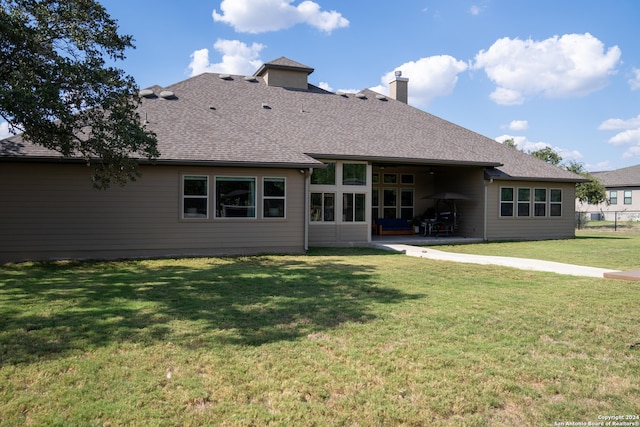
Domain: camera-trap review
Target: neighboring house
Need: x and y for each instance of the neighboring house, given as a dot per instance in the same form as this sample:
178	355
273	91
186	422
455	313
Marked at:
270	163
623	196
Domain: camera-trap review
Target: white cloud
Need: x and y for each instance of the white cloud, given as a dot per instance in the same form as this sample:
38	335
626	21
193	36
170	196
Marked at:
522	143
519	125
635	81
571	65
237	58
617	124
628	137
4	130
428	78
632	152
630	134
475	10
259	16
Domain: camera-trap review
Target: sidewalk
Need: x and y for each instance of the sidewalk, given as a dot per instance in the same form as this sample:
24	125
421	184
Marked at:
521	263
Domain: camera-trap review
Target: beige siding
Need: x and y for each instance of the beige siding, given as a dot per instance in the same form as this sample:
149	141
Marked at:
530	228
52	211
338	234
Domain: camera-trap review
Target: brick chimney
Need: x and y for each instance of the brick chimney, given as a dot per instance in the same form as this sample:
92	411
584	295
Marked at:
399	88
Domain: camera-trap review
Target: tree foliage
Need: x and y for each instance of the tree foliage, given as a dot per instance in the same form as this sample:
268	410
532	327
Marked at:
548	154
56	88
592	192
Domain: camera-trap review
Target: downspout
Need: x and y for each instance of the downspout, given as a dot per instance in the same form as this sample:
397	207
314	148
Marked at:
305	214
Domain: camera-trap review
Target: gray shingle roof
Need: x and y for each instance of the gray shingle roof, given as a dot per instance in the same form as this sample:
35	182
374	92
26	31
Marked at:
238	120
625	177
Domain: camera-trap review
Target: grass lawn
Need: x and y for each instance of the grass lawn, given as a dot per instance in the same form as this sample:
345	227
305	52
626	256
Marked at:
594	248
353	337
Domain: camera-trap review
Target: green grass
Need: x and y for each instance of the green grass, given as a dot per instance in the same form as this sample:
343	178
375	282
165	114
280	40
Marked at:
337	337
604	249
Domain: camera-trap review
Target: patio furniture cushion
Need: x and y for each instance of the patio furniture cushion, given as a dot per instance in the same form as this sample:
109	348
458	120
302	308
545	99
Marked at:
393	226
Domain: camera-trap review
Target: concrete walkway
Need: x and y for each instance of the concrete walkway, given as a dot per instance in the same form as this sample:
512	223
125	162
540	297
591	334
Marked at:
521	263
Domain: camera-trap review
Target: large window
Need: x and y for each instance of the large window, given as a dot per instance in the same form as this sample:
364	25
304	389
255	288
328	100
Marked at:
375	203
354	174
613	197
235	197
325	176
323	207
524	201
506	201
540	202
353	207
406	203
627	197
273	197
195	196
389	202
555	202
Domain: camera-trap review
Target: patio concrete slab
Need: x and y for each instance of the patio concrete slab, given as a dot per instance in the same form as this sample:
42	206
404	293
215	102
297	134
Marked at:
521	263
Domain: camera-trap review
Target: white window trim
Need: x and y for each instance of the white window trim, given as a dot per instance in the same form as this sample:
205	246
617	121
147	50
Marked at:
518	201
513	203
264	197
215	198
561	202
183	196
545	203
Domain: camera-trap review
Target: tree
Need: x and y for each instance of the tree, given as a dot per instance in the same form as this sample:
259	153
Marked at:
592	192
510	143
56	88
548	154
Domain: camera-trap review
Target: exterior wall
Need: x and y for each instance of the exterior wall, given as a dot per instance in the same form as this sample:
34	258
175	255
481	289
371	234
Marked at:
530	228
51	211
339	232
286	78
615	211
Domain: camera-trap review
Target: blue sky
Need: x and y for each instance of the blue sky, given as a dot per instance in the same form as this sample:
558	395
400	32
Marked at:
564	74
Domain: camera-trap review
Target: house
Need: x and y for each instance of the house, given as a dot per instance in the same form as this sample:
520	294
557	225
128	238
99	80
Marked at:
271	163
623	196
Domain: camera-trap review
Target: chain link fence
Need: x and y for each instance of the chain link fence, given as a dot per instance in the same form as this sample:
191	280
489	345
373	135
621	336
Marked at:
612	220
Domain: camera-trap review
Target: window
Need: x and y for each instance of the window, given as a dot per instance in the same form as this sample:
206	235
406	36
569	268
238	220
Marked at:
273	197
407	179
375	178
322	207
390	178
353	207
235	197
326	176
390	202
195	196
506	201
354	174
613	197
555	202
540	202
375	203
524	201
627	197
406	203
